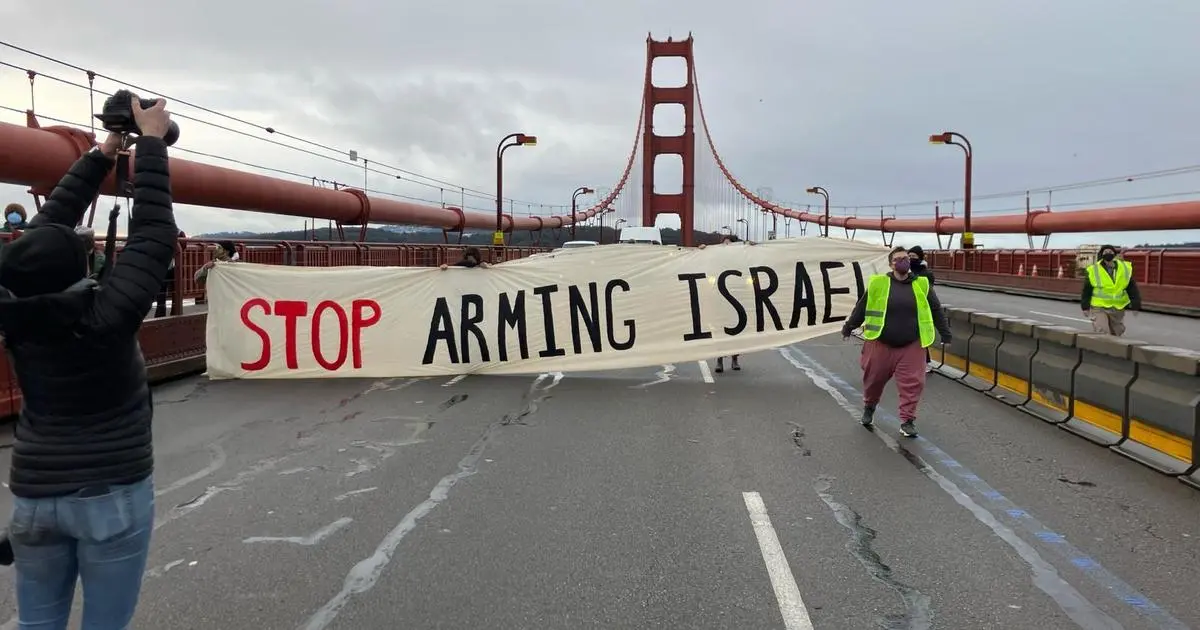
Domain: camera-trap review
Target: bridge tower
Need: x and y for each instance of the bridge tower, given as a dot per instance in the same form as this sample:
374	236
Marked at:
653	203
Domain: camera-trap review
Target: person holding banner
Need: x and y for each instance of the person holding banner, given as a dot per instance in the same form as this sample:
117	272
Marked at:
737	367
900	315
471	258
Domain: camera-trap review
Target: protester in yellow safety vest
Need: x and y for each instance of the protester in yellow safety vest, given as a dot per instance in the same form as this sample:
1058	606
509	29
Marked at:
1108	289
899	314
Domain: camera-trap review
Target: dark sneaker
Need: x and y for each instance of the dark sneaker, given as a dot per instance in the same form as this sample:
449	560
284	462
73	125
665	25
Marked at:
868	416
737	367
720	366
908	429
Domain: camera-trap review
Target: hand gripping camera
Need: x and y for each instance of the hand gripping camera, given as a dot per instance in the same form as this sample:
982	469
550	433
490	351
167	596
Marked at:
117	116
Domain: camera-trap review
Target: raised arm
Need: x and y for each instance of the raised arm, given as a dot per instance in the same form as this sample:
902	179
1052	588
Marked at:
141	268
76	190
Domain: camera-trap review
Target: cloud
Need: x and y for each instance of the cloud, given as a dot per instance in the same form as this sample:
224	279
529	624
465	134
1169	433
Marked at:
840	95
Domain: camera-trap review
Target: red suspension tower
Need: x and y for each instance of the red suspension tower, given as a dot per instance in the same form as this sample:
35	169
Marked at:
653	203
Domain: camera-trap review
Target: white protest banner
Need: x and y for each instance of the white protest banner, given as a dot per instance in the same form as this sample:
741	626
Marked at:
592	308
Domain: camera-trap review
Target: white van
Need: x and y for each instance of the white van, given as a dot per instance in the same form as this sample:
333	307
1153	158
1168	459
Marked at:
574	244
647	235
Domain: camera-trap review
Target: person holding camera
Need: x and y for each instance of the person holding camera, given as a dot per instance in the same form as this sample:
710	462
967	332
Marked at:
82	457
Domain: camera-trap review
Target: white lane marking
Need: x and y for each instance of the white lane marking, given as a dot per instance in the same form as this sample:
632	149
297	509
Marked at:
705	372
661	376
454	380
309	540
215	464
1074	319
787	593
363	575
347	495
1045	576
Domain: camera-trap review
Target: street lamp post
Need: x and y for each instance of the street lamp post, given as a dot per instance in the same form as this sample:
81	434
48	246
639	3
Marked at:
582	190
616	230
518	139
948	137
817	190
747	224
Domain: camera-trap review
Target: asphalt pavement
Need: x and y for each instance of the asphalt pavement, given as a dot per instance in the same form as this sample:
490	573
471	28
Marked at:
666	497
1160	329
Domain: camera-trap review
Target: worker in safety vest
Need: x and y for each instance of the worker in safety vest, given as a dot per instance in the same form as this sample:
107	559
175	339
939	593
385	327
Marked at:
900	315
1109	289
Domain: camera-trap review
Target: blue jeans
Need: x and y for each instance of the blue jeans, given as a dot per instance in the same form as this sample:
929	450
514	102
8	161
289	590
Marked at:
99	535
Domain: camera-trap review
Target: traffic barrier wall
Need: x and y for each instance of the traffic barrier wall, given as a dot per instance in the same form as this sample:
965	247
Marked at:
952	358
1102	382
982	347
1164	410
1139	400
1052	373
1014	361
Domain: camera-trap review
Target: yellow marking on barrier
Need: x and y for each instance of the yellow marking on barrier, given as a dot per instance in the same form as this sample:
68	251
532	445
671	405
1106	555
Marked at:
1168	443
1051	399
1162	441
1012	384
1098	417
951	360
982	372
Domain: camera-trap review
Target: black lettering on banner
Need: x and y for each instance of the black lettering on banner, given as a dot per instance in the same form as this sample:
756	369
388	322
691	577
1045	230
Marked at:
858	280
441	328
610	317
723	289
471	314
591	318
512	315
762	298
831	290
694	295
552	349
803	298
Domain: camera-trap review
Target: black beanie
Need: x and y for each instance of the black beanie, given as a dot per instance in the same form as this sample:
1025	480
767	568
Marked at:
916	249
45	259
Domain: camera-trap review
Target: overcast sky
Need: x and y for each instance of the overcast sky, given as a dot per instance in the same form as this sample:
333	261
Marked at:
841	95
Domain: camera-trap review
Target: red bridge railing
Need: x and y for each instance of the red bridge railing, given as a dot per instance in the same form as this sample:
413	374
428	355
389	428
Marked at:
1169	278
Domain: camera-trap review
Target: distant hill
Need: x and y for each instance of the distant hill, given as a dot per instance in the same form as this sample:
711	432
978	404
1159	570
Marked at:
404	234
1169	246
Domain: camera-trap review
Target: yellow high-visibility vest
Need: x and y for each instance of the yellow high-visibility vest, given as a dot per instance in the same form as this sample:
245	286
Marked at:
878	289
1109	291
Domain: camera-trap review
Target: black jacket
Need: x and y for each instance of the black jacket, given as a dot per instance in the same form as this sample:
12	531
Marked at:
87	406
900	327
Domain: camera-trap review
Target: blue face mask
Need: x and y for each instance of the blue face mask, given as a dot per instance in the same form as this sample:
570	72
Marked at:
14	218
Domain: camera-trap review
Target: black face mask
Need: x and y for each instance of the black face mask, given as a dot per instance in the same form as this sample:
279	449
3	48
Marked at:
1108	256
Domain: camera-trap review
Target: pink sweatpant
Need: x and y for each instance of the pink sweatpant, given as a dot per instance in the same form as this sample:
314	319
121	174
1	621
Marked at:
881	363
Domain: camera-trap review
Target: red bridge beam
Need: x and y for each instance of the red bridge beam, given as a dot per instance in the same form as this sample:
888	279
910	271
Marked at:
38	158
1183	215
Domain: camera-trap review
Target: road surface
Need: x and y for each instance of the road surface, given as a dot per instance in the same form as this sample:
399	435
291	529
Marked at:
1156	328
654	498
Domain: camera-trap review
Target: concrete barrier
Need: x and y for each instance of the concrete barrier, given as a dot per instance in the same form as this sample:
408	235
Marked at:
1139	400
982	348
1164	410
953	358
1052	373
1100	412
1014	362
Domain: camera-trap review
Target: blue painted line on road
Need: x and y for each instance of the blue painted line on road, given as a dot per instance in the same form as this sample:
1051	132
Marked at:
1120	590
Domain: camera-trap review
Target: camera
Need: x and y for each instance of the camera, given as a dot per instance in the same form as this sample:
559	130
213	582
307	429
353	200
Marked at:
117	116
